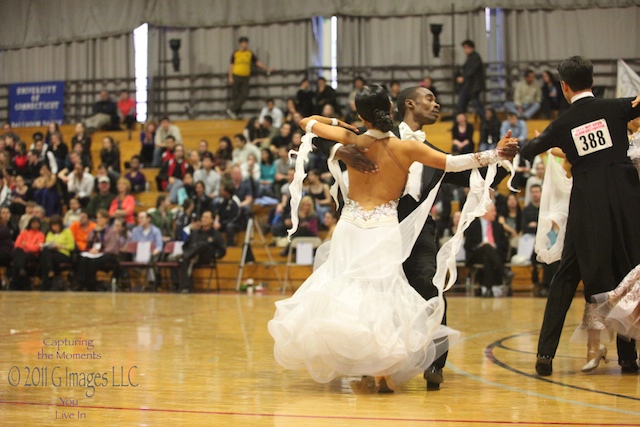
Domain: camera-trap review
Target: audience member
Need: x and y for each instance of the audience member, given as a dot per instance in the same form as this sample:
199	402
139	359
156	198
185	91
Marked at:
110	156
471	80
224	153
325	95
489	130
40	213
102	199
58	148
104	245
45	155
283	139
427	83
203	149
20	160
26	250
23	222
308	225
56	250
135	177
250	169
82	137
81	229
145	231
552	98
187	191
147	141
105	114
228	213
162	217
243	149
486	244
80	184
511	220
291	111
330	221
202	245
123	205
270	109
185	216
8	233
305	98
201	201
527	97
165	129
319	192
535	179
394	92
267	174
52	128
352	113
462	135
73	213
172	173
45	191
208	176
126	110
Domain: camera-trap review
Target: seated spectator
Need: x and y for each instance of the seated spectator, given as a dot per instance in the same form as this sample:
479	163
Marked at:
26	250
45	191
52	128
319	192
203	149
243	149
33	167
202	245
330	221
250	169
462	135
282	165
23	223
127	110
73	213
162	132
172	173
352	114
105	114
208	176
147	138
267	174
280	216
325	95
486	244
102	172
110	157
308	225
123	205
489	130
8	234
45	155
281	140
552	97
20	159
103	199
291	110
535	179
135	177
80	230
104	244
201	201
5	191
57	250
58	148
527	97
511	221
80	156
40	213
187	191
427	83
268	132
82	137
228	213
80	184
185	216
162	217
252	131
145	231
305	98
243	189
224	154
270	109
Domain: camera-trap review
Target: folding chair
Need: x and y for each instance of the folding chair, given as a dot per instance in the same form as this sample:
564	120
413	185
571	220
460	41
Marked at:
314	241
131	248
212	266
165	262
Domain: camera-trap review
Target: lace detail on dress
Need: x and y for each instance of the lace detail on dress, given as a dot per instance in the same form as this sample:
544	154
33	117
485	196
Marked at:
486	158
387	210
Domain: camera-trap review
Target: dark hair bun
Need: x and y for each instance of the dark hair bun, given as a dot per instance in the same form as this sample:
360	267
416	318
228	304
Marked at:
382	120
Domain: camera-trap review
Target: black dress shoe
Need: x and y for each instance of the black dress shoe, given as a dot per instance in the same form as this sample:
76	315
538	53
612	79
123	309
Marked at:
544	366
629	366
434	378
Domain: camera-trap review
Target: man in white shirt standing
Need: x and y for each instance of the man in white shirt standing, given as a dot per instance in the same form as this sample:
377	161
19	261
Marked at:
271	110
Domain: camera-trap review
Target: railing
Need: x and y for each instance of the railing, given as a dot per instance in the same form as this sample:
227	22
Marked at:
205	96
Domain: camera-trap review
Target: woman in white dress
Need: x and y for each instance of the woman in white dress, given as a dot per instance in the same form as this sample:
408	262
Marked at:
357	315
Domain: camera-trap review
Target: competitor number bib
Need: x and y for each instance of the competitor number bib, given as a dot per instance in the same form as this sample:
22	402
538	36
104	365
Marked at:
592	137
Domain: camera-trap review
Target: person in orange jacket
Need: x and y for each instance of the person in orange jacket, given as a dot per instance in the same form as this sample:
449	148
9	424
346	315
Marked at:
26	249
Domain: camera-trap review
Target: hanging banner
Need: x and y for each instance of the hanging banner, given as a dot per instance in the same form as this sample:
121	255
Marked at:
628	82
36	103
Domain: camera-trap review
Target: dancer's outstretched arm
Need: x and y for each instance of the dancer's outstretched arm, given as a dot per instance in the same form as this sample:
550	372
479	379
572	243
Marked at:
331	129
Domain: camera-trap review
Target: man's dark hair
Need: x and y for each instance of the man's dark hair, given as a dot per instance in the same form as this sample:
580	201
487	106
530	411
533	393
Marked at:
229	188
171	137
362	80
321	78
241	137
37	136
528	71
226	139
469	43
394	82
408	93
270	100
535	186
165	118
268	118
243	39
577	73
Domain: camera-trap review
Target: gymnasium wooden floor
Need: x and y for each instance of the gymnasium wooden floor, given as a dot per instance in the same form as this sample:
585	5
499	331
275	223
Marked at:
206	359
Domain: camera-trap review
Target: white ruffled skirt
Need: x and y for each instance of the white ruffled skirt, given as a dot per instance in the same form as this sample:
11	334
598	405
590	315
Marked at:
357	314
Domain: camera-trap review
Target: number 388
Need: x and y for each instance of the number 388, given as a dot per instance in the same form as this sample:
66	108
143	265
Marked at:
592	140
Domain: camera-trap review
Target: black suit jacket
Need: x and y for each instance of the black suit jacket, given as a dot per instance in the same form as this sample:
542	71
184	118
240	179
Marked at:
473	238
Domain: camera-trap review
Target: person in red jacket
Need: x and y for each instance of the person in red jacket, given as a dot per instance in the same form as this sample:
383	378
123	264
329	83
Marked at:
26	249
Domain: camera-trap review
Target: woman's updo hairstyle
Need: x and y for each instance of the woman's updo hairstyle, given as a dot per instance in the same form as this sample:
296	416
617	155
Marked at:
373	105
